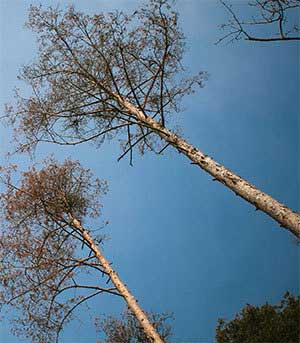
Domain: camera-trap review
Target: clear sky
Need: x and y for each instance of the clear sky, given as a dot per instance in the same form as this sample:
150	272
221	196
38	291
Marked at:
181	242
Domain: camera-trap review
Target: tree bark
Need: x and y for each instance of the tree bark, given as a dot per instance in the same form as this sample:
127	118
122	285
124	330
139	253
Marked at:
132	303
282	214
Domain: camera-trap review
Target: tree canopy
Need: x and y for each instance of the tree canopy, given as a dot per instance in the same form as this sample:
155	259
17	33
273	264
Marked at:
43	256
90	66
45	250
106	75
96	77
266	323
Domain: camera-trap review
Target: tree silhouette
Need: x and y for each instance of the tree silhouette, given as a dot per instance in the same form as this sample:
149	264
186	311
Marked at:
106	75
266	323
46	251
271	21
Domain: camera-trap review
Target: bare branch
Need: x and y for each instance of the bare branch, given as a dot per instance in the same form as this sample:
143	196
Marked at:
268	14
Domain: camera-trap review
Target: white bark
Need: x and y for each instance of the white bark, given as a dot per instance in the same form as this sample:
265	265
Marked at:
132	303
282	214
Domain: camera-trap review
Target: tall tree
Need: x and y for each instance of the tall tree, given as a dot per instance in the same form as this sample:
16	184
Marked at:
45	249
268	21
103	75
266	323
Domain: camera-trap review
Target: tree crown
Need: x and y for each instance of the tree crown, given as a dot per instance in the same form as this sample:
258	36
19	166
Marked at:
266	323
43	256
89	66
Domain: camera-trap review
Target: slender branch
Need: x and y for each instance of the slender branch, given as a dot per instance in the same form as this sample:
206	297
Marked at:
72	310
272	12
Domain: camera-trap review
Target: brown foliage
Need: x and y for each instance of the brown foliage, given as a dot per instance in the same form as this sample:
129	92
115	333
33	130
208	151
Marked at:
42	254
127	329
89	65
106	75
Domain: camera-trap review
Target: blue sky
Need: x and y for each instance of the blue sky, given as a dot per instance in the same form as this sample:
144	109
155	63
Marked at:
181	242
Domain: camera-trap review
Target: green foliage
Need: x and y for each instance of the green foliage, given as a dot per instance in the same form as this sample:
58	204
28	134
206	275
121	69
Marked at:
266	323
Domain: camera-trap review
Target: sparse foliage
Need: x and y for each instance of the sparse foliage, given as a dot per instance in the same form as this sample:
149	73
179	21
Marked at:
268	21
266	323
106	75
127	329
45	250
87	63
43	257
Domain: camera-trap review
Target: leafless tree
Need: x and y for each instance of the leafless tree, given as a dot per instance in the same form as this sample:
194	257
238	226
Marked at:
45	251
106	75
128	330
270	21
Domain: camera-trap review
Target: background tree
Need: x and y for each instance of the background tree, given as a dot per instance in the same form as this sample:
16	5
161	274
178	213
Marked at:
101	76
266	323
45	250
271	21
127	329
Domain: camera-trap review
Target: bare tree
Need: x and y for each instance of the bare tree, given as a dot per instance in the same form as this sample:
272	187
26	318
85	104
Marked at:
128	330
271	21
45	250
103	75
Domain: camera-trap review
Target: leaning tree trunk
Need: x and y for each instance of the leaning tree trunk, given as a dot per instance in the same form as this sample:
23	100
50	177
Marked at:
262	201
132	303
